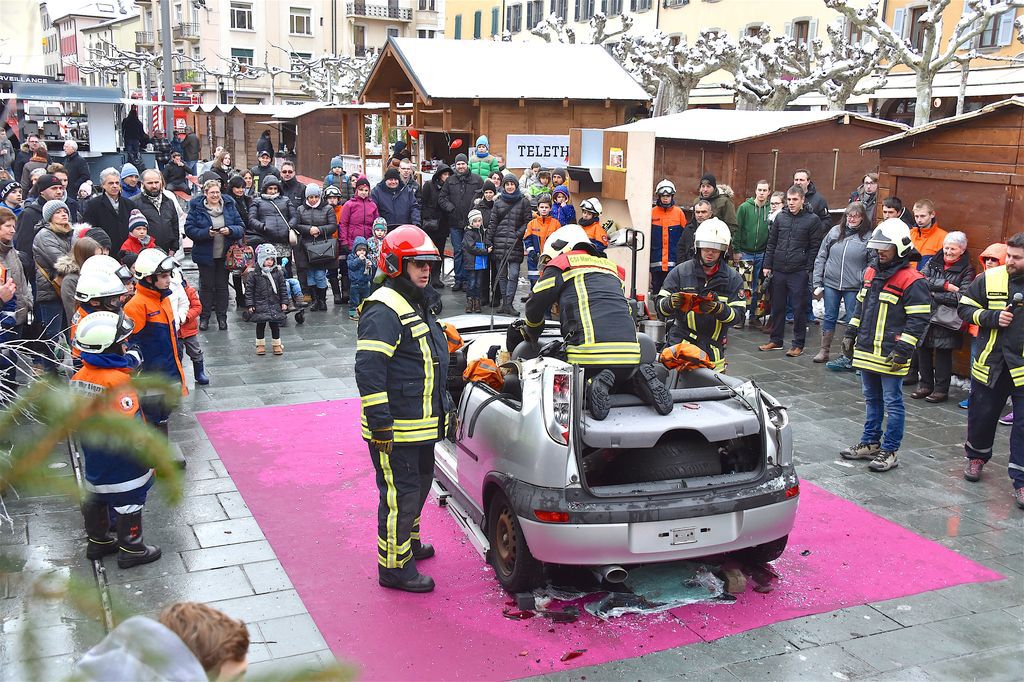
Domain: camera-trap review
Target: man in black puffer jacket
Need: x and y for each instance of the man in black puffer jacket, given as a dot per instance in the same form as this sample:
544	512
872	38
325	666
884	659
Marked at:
435	219
396	204
814	202
456	199
511	215
789	257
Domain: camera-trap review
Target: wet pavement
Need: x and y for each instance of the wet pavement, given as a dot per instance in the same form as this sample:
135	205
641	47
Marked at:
215	552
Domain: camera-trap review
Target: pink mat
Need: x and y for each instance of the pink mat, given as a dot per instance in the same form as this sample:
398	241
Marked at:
306	475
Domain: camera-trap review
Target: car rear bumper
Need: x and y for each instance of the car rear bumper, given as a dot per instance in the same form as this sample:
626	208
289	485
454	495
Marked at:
654	541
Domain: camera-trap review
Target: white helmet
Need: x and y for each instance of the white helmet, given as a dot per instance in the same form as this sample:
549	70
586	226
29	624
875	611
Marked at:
98	284
891	232
593	204
104	263
564	239
98	331
154	262
665	187
713	233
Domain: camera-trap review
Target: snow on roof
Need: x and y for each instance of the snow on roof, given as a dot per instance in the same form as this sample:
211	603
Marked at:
284	111
1013	101
727	125
437	69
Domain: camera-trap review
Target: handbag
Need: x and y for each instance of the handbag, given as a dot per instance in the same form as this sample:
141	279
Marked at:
239	256
321	254
293	235
946	316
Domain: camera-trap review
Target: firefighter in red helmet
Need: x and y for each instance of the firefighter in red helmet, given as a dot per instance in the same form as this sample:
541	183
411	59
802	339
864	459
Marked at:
401	367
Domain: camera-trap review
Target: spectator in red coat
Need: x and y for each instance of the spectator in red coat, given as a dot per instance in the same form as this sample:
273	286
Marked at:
138	234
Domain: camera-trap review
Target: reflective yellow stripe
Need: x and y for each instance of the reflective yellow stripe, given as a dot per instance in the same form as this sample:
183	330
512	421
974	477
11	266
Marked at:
924	309
428	376
966	300
391	522
888	298
415	436
539	323
983	356
375	399
976	317
909	338
883	311
997	283
544	284
876	363
584	309
376	346
418	329
854	321
581	260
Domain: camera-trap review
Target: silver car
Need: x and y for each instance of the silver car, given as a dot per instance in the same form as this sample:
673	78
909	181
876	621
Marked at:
547	484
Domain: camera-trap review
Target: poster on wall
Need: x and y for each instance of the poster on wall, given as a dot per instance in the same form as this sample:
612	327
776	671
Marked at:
550	151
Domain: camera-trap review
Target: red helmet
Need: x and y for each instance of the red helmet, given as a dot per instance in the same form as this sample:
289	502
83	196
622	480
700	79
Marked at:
406	242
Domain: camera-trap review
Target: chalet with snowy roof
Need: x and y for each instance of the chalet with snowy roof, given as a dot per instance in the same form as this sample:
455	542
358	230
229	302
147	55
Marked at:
438	96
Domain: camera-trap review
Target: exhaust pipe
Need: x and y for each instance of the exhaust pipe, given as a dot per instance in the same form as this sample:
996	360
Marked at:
613	573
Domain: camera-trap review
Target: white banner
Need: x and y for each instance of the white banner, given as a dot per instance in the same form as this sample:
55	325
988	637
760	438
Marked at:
550	151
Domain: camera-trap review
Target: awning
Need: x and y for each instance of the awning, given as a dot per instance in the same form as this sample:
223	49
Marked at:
63	92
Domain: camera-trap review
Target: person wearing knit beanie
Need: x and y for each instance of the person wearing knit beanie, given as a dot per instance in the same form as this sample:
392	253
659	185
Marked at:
96	234
709	179
461	157
51	207
138	234
392	174
8	197
361	181
136	219
313	190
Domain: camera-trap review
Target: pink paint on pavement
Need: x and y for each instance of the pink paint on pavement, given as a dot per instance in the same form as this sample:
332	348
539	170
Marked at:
306	475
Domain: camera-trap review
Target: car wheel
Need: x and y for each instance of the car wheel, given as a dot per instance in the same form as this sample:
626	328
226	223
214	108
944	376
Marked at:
762	554
515	567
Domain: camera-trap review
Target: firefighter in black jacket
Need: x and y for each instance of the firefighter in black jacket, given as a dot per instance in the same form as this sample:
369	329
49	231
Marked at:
703	294
993	302
401	366
597	327
891	317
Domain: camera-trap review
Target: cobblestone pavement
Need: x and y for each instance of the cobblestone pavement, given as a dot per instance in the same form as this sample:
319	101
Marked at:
215	552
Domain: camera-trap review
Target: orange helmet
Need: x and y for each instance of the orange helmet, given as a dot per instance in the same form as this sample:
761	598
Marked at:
406	242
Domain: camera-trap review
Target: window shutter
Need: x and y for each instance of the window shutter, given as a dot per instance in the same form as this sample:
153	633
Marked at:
579	8
788	30
458	27
529	14
1006	27
812	31
495	19
632	5
899	20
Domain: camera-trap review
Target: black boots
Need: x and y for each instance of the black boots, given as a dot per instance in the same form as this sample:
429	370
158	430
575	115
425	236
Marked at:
204	322
199	373
320	299
97	527
417	583
422	551
599	390
222	321
131	550
506	306
335	290
653	390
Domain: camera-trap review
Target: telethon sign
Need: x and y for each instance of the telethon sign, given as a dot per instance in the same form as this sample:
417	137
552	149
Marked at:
550	151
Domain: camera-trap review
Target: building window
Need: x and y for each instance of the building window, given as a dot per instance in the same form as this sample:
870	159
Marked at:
428	6
394	32
458	26
998	31
295	63
612	7
242	56
241	16
425	34
854	33
478	20
752	30
801	31
639	5
560	8
534	13
495	19
514	18
917	28
359	41
584	10
300	21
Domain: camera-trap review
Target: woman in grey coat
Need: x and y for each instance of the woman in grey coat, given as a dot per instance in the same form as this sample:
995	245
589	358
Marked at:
839	271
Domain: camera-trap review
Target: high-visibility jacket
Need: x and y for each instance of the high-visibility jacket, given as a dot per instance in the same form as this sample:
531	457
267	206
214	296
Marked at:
667	223
892	313
156	333
401	369
111	475
988	295
705	331
595	320
928	241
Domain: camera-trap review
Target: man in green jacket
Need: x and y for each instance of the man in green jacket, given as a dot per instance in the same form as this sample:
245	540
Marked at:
752	237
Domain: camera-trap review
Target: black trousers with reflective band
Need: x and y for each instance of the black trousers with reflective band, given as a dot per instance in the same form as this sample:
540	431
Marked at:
403	482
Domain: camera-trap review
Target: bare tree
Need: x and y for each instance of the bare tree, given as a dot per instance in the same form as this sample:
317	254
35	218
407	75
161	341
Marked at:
670	72
929	55
863	59
554	28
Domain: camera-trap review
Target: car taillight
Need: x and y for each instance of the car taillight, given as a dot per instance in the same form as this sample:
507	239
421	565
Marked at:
551	516
560	411
793	492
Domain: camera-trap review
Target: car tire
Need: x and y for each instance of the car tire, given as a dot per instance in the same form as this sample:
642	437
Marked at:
666	461
762	554
509	555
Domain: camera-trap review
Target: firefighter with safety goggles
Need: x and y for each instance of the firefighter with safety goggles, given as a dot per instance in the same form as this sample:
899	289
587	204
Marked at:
401	368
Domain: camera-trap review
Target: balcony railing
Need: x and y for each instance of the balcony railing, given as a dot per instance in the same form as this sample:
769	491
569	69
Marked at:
143	37
371	11
186	32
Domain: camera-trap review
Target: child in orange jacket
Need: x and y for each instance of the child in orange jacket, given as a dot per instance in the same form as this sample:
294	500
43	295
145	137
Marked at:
188	330
537	233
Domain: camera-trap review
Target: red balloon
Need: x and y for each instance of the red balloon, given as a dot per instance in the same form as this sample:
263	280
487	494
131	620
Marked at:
455	144
414	134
